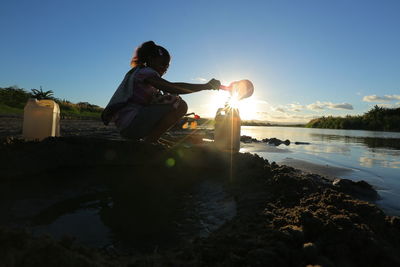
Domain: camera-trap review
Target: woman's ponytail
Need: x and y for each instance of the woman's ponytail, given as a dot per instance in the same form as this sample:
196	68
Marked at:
145	51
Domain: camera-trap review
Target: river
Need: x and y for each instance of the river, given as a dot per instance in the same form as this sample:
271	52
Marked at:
371	156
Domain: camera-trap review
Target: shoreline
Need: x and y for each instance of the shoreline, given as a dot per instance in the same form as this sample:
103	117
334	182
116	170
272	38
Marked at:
328	171
10	127
157	200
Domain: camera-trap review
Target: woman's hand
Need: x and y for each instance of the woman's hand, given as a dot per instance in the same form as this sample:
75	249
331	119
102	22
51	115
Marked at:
214	84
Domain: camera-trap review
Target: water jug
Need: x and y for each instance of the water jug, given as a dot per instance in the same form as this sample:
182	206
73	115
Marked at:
41	119
227	129
239	89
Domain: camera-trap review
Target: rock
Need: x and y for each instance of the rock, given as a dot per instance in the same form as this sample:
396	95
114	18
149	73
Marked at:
286	142
263	257
310	251
294	232
360	189
248	139
301	143
245	139
275	141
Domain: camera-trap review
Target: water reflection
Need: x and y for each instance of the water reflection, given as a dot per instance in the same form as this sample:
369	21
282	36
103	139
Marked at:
371	139
375	161
371	142
374	156
368	148
327	149
369	162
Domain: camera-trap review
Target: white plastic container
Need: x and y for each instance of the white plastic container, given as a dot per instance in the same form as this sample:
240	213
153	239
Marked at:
227	129
41	119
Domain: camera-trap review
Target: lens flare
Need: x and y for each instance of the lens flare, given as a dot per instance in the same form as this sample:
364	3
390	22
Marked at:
233	101
170	162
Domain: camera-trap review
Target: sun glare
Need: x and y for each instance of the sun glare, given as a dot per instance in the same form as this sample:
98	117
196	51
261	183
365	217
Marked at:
247	107
234	101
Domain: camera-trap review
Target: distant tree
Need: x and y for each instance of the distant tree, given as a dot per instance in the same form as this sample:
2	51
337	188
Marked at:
378	119
86	106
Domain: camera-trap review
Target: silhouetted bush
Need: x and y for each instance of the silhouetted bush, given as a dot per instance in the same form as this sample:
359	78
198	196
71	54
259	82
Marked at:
13	100
14	97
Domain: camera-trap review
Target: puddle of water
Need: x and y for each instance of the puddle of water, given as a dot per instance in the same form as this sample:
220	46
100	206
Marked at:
84	224
210	207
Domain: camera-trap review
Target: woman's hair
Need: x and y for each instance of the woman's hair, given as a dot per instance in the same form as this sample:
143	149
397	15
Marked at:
148	50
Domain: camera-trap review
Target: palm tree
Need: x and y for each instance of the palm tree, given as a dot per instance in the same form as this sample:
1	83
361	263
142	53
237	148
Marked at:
40	94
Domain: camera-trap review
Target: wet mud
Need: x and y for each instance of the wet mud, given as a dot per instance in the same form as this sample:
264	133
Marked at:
184	206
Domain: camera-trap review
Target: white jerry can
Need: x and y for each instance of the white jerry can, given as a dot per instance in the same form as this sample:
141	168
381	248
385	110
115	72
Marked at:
227	129
41	119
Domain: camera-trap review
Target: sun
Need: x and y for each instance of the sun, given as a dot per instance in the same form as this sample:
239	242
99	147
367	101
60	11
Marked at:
233	101
248	107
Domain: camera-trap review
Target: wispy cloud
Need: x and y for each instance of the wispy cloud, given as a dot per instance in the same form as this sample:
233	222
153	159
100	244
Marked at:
304	117
346	106
285	117
296	111
318	106
200	79
380	99
292	118
295	107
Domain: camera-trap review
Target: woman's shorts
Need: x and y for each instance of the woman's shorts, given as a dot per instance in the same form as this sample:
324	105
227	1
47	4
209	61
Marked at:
146	120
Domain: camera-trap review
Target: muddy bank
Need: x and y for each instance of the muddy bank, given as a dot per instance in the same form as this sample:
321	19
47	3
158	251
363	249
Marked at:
144	195
12	126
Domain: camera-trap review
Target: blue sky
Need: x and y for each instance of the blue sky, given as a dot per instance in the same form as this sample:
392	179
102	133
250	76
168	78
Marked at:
306	58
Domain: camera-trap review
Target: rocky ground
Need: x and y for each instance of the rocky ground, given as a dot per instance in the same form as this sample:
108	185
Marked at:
283	217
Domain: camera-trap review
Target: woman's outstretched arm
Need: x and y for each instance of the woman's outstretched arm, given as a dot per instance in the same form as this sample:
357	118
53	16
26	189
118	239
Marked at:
182	88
